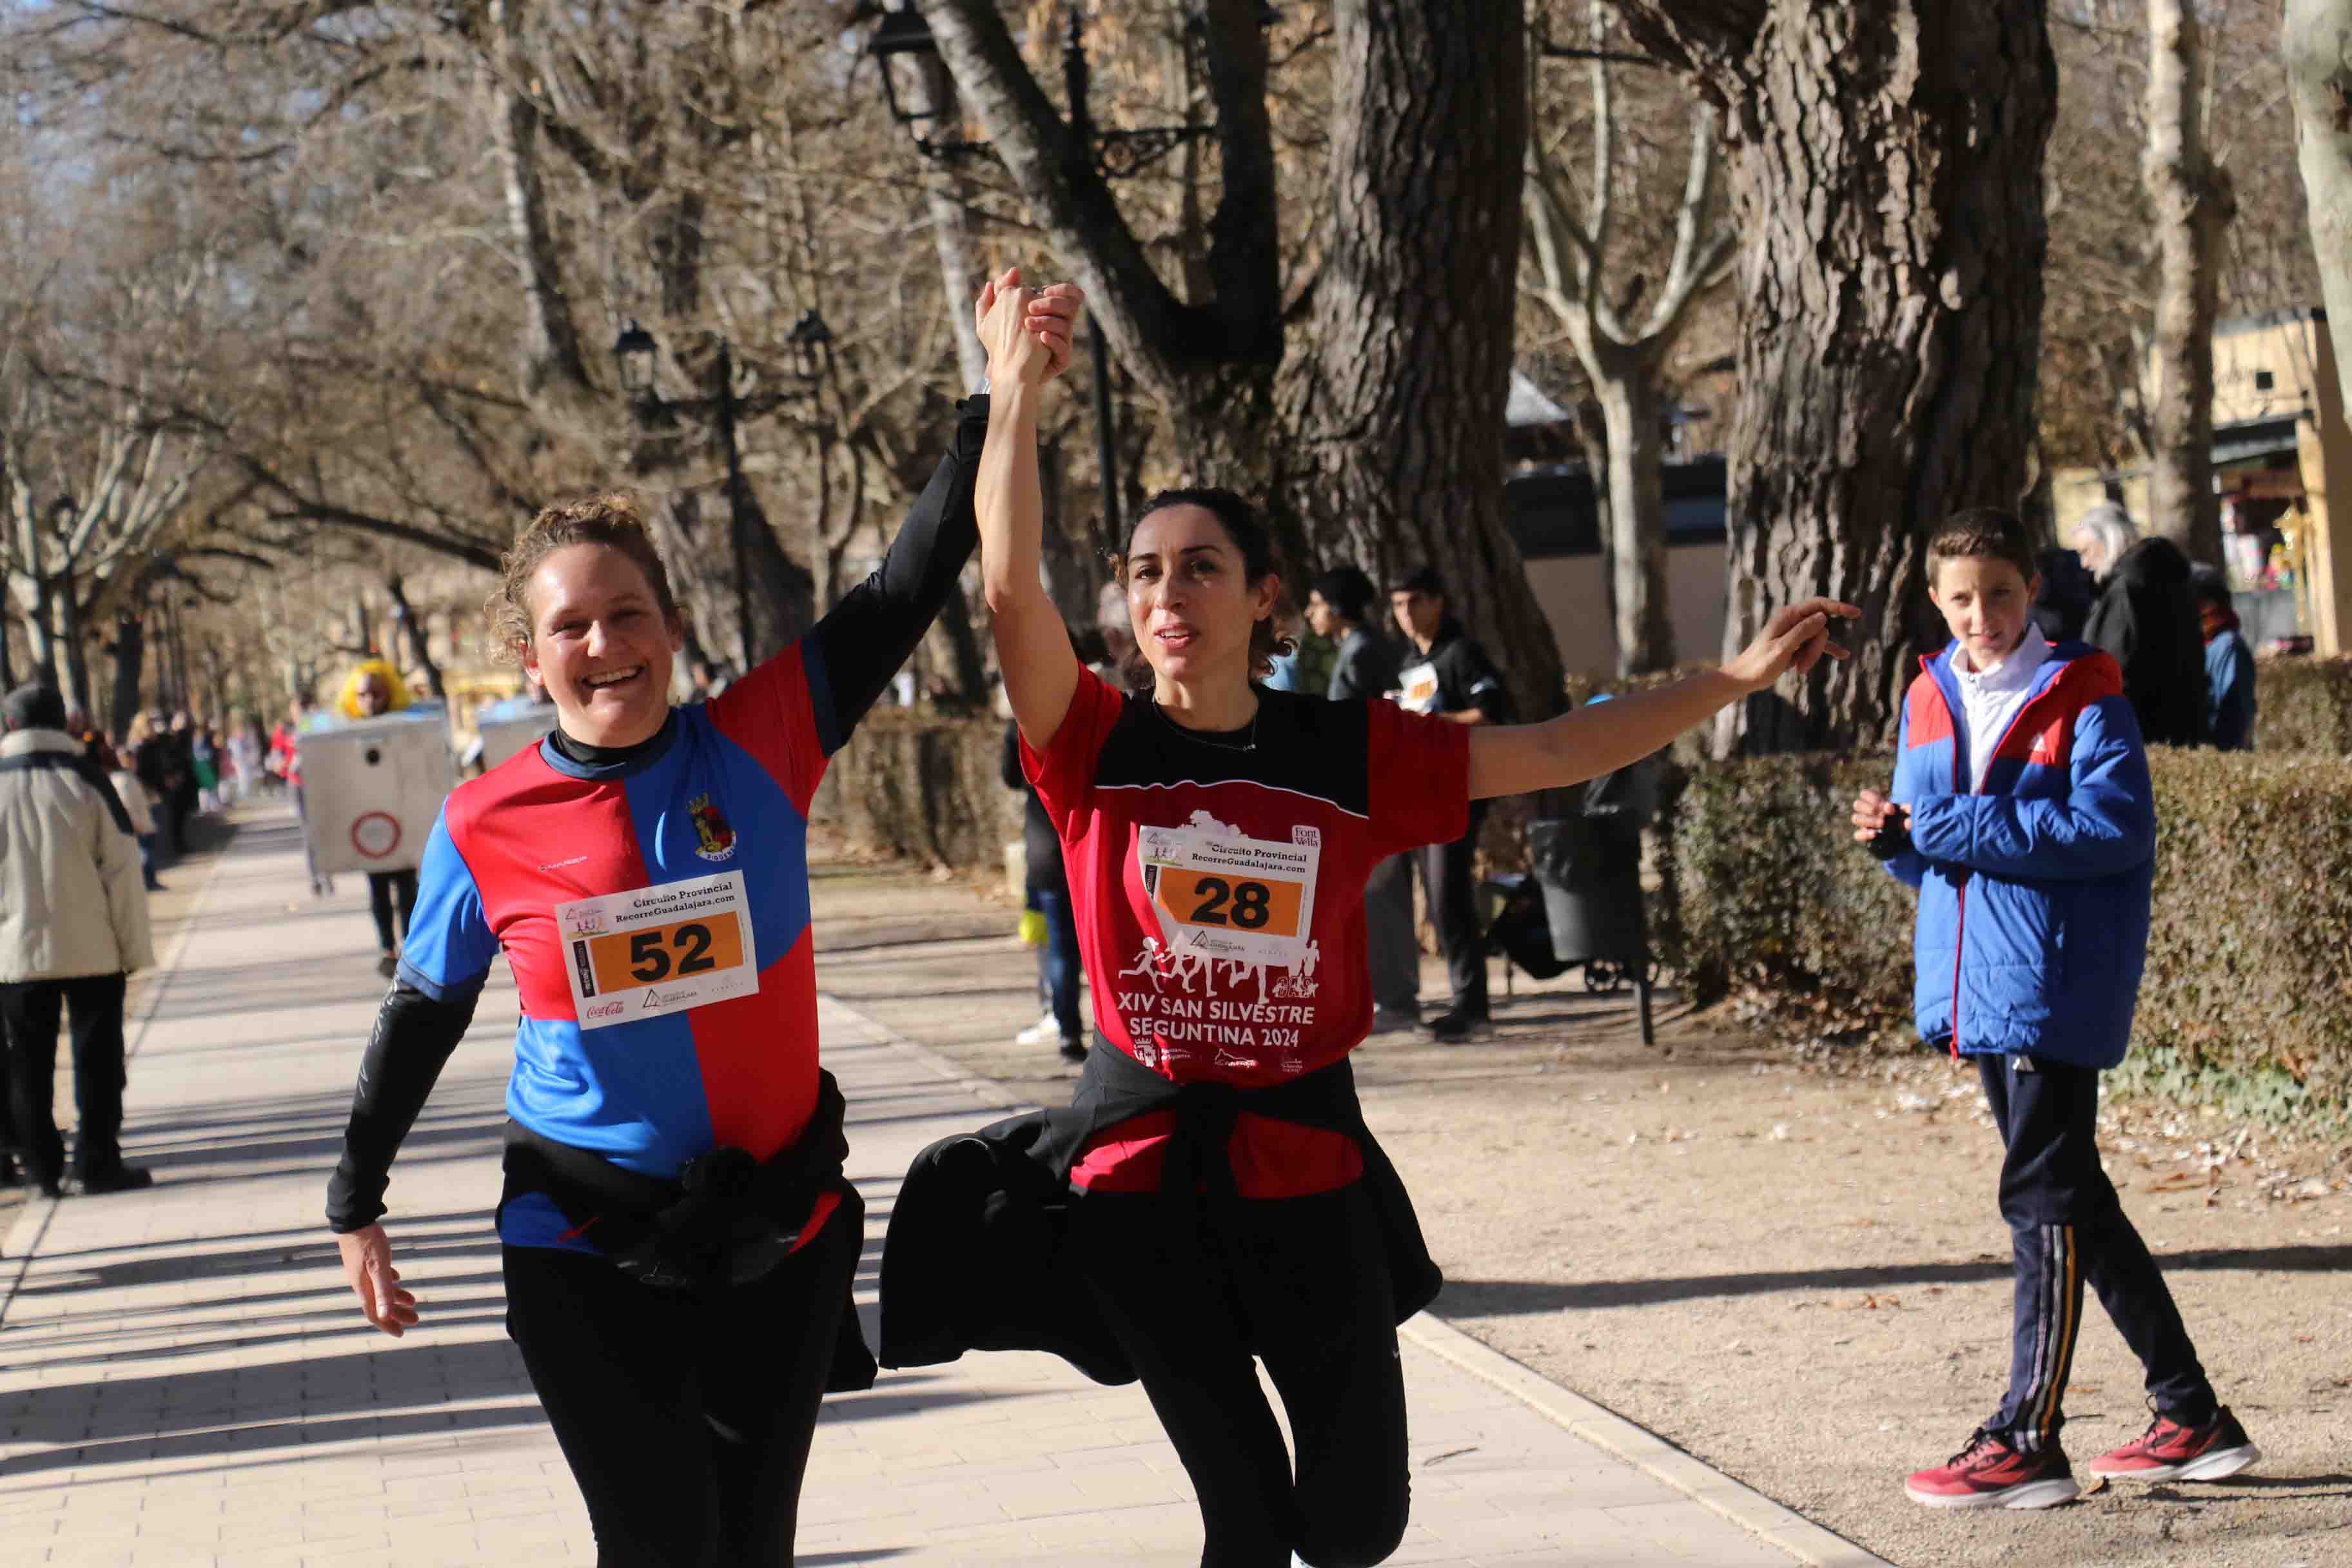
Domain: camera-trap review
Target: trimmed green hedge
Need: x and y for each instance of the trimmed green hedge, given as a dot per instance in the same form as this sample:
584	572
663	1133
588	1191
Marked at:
2248	996
2305	706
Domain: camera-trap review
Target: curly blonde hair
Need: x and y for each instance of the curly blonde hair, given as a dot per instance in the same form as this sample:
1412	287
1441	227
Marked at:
611	520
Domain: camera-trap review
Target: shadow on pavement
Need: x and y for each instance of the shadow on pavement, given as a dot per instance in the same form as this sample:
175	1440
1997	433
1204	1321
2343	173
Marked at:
1511	1298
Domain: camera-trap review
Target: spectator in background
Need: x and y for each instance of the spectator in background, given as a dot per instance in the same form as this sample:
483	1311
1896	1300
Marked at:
2100	536
73	924
140	809
94	749
1343	607
2147	618
1283	676
203	755
2229	664
245	754
373	690
180	803
155	759
1047	888
1449	675
2068	589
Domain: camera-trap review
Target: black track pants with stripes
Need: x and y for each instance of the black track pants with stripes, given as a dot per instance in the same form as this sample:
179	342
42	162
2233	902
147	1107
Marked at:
2068	1228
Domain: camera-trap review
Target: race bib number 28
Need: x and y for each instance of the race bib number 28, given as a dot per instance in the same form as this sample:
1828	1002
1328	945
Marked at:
657	950
1229	896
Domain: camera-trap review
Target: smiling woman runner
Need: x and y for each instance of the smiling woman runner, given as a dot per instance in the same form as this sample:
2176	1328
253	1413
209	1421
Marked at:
678	1242
1228	1202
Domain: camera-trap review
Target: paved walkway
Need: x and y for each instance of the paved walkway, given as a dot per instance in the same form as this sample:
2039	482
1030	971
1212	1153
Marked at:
184	1380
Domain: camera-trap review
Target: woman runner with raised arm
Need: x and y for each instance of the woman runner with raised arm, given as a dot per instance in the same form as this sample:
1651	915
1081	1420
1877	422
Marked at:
677	1240
1227	1201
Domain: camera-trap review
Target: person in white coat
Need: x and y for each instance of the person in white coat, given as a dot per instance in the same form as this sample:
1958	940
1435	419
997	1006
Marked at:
73	925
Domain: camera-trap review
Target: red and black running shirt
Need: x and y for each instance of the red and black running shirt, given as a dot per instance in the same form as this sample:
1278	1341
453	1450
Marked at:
1219	882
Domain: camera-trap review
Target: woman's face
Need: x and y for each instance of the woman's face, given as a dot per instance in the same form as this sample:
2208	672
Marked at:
373	695
601	645
1189	599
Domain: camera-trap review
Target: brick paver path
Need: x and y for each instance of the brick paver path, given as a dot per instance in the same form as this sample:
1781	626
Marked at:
184	1380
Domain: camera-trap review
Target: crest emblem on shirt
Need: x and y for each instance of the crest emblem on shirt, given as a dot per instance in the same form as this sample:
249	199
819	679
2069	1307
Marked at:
718	840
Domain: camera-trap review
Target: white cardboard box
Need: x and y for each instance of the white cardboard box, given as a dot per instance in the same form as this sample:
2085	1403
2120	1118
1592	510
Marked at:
507	727
371	788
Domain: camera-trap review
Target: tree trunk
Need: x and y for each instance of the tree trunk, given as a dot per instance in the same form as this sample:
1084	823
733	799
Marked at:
403	615
943	192
1402	409
2192	202
1209	361
1889	188
1636	501
75	685
2318	49
129	668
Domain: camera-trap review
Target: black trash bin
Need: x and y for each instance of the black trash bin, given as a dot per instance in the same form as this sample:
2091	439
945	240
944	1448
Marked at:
1589	865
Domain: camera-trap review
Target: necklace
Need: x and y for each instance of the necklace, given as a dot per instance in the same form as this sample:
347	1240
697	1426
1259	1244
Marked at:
1249	736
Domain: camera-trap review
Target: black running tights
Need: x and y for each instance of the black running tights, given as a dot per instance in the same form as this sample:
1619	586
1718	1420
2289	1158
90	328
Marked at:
1302	1284
685	1424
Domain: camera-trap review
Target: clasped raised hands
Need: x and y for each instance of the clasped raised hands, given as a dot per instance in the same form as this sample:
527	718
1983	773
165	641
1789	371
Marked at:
1026	331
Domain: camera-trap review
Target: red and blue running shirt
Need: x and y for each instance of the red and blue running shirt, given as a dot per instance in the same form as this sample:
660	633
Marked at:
725	787
1219	881
654	906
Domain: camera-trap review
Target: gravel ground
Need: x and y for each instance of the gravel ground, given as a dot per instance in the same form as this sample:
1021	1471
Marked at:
1794	1272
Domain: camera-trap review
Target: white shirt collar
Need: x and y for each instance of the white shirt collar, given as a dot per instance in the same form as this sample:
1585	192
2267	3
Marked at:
2013	673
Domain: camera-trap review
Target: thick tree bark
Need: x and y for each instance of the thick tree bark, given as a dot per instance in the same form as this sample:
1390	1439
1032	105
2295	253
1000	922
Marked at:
1401	410
1889	188
2317	44
2192	202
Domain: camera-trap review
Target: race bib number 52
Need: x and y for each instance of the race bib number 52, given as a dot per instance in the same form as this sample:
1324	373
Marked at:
657	950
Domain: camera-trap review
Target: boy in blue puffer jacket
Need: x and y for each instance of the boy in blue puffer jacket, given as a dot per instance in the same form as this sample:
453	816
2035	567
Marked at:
2023	812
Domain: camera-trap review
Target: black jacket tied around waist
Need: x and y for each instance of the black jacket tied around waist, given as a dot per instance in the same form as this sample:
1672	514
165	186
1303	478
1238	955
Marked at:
978	1255
726	1219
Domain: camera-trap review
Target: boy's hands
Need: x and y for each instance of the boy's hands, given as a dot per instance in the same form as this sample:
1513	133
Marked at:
1881	824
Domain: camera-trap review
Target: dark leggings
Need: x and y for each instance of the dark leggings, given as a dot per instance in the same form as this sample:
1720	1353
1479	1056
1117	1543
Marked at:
1302	1284
685	1424
383	888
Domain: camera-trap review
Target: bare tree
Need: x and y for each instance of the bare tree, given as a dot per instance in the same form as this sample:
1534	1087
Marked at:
2192	199
1392	419
1623	339
2317	44
1888	192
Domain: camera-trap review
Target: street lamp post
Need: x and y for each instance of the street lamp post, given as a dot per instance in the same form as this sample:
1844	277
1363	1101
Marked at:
904	38
634	352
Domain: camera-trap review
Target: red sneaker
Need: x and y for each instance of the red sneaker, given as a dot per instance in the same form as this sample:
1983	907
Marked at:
1989	1473
2168	1451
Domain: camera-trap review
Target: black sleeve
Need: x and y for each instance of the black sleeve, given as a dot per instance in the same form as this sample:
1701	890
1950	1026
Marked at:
414	1036
863	640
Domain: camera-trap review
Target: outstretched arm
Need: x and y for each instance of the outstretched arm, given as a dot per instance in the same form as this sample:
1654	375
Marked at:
1517	759
863	640
1033	646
